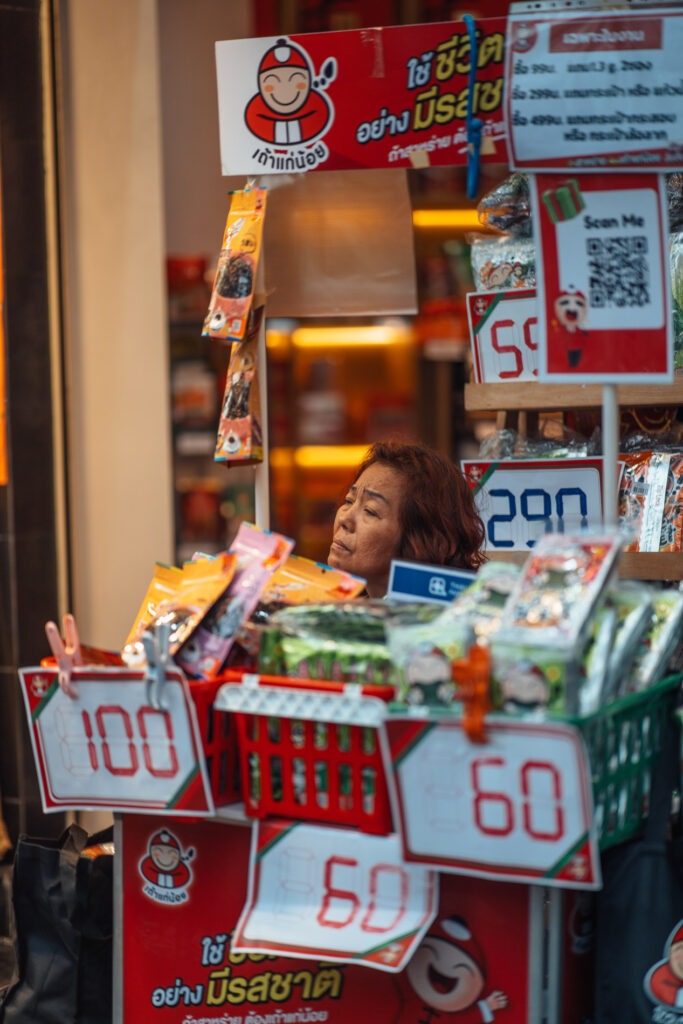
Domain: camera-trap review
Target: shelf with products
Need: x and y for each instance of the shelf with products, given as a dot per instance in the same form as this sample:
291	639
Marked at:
535	397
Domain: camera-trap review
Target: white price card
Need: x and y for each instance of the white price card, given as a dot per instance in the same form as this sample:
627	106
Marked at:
108	747
518	807
594	89
520	500
334	894
503	335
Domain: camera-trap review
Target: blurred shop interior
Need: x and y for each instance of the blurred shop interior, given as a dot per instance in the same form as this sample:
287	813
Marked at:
113	207
337	380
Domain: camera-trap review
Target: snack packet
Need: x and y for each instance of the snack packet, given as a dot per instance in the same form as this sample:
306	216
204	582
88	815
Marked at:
234	282
632	603
240	435
256	553
181	597
533	679
660	641
596	658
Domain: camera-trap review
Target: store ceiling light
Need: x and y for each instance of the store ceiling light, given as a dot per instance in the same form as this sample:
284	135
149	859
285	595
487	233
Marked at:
457	220
332	337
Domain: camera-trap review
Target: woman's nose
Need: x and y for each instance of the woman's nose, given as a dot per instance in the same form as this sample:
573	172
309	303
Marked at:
346	517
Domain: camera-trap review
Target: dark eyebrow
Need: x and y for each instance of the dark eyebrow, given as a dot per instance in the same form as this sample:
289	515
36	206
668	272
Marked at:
372	494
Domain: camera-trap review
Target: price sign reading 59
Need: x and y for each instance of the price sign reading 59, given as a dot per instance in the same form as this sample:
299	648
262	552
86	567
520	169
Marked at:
108	748
518	807
521	500
503	329
335	894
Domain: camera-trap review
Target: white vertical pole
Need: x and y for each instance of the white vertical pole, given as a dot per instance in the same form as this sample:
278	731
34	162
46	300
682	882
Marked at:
610	454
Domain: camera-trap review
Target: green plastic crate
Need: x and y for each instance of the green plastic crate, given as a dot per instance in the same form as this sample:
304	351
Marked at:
623	740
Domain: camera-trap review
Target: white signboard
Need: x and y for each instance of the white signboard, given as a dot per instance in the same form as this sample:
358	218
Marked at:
517	807
107	747
335	894
503	334
520	500
595	89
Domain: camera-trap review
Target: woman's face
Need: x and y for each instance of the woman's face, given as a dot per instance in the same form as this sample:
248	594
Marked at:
366	532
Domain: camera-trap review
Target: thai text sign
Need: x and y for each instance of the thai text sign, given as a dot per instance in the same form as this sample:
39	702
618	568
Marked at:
358	99
595	89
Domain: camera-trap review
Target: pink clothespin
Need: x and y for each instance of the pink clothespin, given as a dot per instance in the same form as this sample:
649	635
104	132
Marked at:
67	652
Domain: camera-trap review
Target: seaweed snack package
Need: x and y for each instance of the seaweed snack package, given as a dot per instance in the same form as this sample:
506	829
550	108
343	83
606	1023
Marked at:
240	436
163	587
594	666
234	282
344	641
632	603
201	583
257	553
298	581
502	262
534	679
660	642
561	584
507	207
484	600
423	653
650	500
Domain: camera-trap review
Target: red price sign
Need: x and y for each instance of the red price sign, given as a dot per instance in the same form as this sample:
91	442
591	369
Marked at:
517	808
335	894
109	748
503	329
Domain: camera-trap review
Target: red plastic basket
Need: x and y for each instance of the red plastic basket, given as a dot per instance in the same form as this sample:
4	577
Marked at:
310	749
219	738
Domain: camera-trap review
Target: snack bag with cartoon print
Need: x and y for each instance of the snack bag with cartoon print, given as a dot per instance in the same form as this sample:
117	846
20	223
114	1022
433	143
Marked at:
234	282
240	436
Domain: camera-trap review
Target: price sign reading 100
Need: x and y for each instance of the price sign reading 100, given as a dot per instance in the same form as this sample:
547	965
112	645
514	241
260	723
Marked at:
519	501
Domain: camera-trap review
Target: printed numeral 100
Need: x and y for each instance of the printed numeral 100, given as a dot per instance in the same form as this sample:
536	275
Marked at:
137	736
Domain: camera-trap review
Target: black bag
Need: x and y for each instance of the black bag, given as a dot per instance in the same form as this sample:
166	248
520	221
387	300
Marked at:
639	911
63	914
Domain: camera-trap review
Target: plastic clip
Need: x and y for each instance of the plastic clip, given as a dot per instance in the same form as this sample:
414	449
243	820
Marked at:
67	652
156	645
471	676
473	125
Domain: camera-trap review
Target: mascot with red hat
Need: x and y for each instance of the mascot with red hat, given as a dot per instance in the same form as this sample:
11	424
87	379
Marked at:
446	979
289	109
164	866
664	981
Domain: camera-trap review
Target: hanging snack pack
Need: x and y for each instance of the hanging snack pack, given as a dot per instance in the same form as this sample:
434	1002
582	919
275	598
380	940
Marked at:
538	650
235	279
257	554
659	642
180	598
343	641
650	500
240	436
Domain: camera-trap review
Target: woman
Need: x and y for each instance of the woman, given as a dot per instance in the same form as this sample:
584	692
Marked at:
406	502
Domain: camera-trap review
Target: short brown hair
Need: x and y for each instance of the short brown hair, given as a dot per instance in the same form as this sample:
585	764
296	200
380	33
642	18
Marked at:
439	521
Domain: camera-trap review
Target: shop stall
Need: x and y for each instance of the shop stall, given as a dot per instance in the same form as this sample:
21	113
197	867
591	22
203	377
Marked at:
404	810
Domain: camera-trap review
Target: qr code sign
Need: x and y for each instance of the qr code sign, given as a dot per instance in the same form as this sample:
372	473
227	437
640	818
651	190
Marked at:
618	271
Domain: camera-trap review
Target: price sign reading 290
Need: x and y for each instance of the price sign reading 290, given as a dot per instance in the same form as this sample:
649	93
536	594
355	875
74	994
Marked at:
521	500
109	748
516	807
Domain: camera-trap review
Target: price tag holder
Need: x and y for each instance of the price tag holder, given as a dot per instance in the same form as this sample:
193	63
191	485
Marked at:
503	329
334	894
520	500
410	581
518	808
109	748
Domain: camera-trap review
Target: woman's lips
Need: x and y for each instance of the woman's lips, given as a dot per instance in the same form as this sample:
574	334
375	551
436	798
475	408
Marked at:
338	546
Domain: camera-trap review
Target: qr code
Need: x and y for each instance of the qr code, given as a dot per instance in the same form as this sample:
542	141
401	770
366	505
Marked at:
618	271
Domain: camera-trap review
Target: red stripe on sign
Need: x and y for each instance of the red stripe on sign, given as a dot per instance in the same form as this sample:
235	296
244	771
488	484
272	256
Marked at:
598	34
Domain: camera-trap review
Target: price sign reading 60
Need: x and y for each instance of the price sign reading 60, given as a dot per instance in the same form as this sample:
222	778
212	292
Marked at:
503	332
517	807
108	748
334	893
520	500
